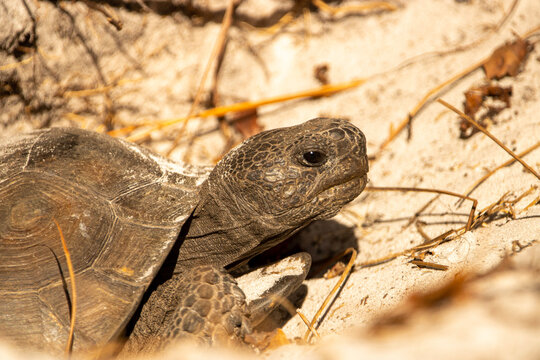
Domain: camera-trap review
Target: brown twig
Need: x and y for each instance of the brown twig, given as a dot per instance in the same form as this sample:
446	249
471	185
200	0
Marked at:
425	100
69	344
347	9
493	171
334	289
501	205
218	48
287	305
435	191
434	91
310	327
488	134
429	265
248	105
426	245
108	12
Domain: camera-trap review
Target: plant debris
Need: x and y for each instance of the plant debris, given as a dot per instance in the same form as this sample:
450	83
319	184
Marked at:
264	340
246	122
475	99
321	73
507	59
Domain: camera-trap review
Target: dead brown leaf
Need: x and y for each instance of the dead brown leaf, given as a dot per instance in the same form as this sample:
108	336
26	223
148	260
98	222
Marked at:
263	340
474	100
507	59
246	122
321	73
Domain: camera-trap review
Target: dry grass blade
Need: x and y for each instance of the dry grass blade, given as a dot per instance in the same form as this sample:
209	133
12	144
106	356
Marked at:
435	191
69	344
427	245
504	206
244	106
347	9
287	305
488	134
292	311
98	90
308	324
421	231
16	64
491	172
334	289
429	265
531	32
218	47
429	95
108	12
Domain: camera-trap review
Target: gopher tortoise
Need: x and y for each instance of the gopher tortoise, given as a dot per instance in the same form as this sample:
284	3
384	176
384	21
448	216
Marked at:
151	241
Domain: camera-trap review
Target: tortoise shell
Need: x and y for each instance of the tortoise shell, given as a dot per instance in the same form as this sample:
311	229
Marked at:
120	209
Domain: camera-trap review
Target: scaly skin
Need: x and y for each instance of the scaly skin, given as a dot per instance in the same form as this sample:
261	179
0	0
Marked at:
142	231
262	192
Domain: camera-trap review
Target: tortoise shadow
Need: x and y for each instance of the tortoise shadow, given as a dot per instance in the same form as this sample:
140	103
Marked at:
322	239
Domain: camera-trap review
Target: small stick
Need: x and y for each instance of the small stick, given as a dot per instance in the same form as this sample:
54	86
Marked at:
308	324
491	172
395	132
98	90
482	214
334	289
427	97
427	245
422	232
292	311
421	210
108	12
16	64
249	105
346	9
218	48
431	243
69	344
445	192
487	133
429	265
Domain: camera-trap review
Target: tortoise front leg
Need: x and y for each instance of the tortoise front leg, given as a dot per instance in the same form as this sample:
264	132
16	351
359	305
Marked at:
204	304
207	305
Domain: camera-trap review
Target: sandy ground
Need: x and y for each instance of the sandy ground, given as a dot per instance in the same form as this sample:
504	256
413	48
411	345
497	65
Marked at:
155	64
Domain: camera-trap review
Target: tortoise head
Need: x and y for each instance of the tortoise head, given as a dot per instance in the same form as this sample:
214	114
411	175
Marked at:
280	180
296	174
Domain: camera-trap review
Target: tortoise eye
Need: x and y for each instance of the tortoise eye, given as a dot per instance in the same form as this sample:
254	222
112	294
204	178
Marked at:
314	158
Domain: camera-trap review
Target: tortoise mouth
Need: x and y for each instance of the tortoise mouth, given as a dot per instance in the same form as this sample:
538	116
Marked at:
349	187
344	192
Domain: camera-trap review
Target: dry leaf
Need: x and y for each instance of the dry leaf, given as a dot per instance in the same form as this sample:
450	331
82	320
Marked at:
321	73
474	100
507	59
264	340
246	122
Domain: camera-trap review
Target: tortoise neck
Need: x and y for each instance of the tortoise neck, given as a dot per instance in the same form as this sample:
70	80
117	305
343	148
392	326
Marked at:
221	230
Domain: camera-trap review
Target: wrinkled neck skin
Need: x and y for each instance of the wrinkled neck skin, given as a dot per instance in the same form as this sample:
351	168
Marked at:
225	229
272	185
